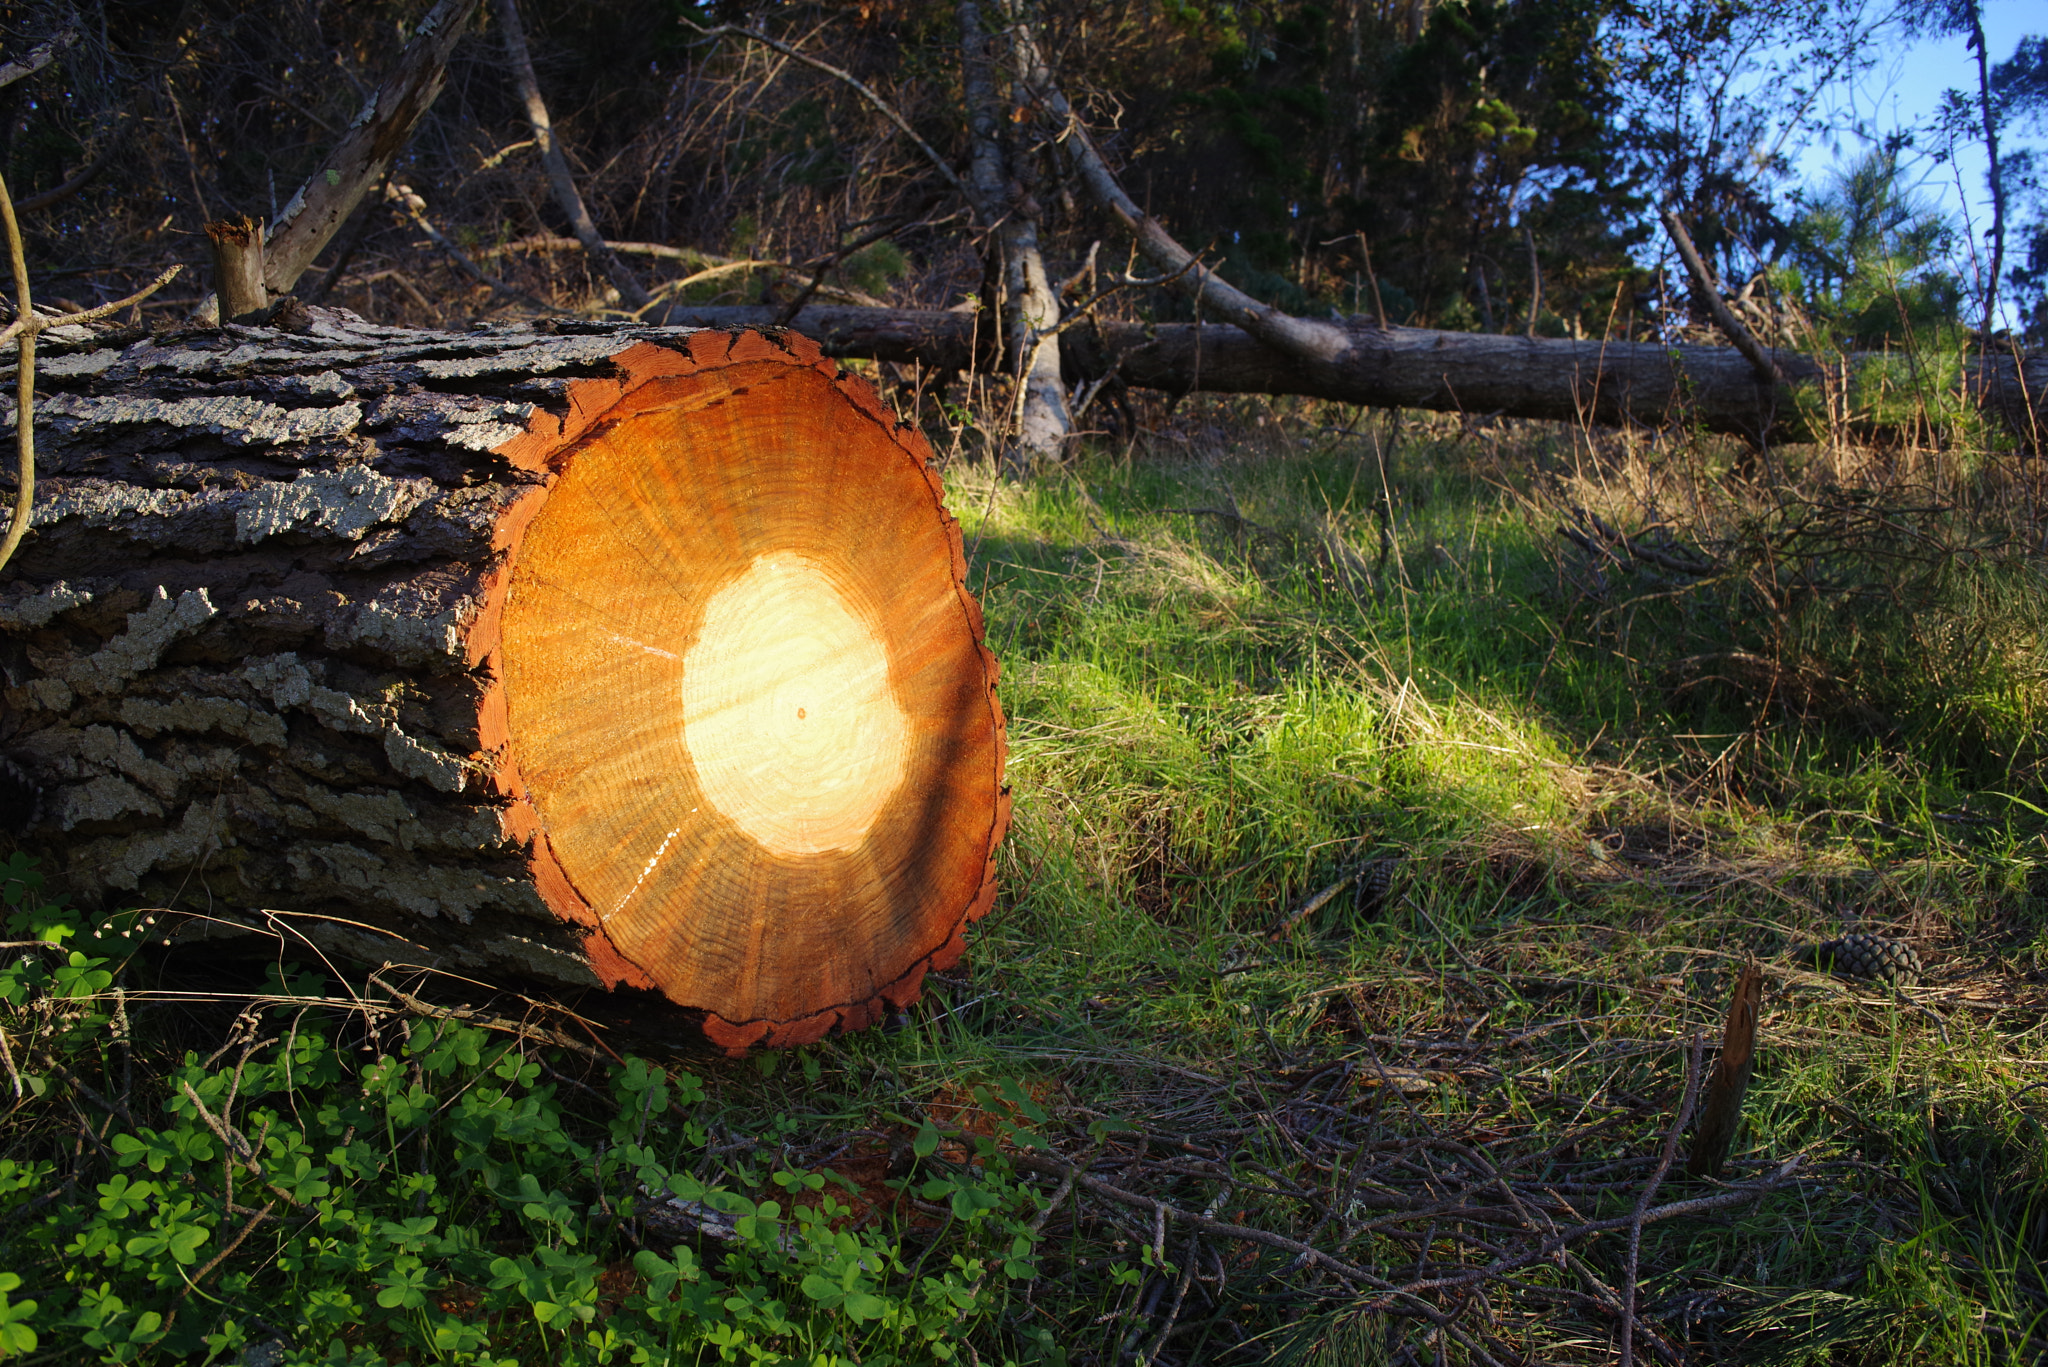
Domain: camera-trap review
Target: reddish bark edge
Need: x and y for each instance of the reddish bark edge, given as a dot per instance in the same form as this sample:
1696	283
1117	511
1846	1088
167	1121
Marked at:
547	445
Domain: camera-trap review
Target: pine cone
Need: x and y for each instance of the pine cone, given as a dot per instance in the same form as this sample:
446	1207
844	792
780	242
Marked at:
1870	957
1370	893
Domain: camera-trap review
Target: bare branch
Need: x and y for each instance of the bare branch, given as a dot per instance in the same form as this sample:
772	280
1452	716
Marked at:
831	262
567	197
364	157
58	194
660	251
26	325
858	86
1300	337
1649	1194
402	198
1724	318
39	56
44	322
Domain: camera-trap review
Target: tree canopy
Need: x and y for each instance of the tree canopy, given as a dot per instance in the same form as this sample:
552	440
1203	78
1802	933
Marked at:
1492	165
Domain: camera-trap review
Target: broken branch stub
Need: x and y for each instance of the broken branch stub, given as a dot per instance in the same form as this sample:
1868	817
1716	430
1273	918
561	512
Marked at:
237	245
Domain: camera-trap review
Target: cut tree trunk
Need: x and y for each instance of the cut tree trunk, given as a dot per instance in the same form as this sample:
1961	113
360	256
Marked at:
637	658
1612	383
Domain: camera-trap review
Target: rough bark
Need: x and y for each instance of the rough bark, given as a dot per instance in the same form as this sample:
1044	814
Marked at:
397	635
365	155
1610	383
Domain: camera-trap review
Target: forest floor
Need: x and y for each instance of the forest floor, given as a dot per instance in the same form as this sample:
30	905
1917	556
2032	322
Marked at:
1569	730
1584	788
1574	791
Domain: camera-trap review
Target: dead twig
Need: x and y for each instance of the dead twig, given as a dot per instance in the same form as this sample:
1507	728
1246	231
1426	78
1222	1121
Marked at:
853	83
542	1034
402	198
27	323
57	194
1635	1228
192	1284
1310	905
79	1085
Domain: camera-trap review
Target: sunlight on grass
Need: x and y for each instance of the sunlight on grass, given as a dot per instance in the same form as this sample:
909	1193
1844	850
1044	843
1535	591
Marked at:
1543	739
1231	679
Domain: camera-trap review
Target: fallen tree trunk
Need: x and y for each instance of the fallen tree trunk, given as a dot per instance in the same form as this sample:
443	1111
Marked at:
628	658
1612	383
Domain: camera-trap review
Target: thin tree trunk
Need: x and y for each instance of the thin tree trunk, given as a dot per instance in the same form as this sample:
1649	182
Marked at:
1535	282
1975	10
1043	420
1478	278
1028	309
567	198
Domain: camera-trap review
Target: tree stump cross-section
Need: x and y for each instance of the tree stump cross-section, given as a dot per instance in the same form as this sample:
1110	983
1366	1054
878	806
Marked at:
639	658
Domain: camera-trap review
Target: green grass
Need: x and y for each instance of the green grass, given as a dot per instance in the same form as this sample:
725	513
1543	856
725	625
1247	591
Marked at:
1599	788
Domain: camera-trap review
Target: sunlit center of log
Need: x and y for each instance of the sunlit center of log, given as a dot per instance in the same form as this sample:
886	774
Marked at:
787	711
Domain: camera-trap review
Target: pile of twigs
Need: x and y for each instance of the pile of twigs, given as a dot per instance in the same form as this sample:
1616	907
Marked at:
1384	1228
1330	1198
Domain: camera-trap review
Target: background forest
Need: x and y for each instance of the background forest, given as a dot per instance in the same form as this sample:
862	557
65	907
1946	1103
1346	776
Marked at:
1401	797
1471	149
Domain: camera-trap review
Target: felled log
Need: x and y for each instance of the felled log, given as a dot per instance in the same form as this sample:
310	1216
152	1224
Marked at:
1610	383
638	658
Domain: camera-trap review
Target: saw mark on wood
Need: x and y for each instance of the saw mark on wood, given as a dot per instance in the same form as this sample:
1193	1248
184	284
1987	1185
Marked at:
642	645
646	871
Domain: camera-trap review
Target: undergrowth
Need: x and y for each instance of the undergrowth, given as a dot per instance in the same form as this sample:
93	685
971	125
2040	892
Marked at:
1568	729
343	1185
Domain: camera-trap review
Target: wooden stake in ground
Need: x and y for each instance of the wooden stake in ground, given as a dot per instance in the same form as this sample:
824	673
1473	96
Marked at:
637	659
1721	1112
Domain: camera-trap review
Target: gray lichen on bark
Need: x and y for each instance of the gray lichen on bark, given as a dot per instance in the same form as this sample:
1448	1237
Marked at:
243	646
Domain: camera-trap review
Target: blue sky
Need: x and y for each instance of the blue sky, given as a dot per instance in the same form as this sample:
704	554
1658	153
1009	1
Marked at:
1904	91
